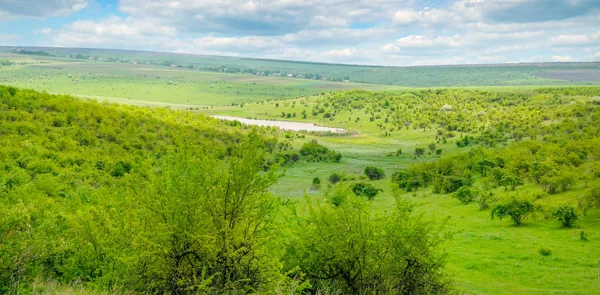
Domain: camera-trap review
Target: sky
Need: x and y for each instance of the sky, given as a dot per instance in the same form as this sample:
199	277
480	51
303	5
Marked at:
373	32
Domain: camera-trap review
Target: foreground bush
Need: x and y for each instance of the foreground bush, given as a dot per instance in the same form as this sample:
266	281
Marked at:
348	249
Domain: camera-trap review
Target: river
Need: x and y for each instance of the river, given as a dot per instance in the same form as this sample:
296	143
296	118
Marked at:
285	125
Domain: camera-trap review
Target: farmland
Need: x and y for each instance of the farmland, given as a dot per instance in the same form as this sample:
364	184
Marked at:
98	175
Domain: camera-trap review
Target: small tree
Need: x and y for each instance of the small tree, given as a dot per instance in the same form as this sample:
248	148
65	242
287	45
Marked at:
432	147
590	199
374	173
484	200
335	178
419	151
566	215
466	194
316	183
365	190
517	209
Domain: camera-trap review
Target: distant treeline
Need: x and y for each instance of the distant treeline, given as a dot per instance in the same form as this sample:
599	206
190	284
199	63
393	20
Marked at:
27	52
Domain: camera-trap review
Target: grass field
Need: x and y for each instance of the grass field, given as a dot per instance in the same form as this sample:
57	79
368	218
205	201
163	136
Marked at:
424	76
147	83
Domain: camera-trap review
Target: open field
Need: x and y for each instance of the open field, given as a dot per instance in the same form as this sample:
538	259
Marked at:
420	76
147	83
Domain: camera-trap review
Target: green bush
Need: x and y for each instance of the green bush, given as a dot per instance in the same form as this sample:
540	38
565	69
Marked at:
565	215
484	200
545	251
590	199
517	209
340	248
466	194
374	173
315	152
316	183
334	178
365	190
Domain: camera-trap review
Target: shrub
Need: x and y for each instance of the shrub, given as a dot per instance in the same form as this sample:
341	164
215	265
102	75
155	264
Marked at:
517	209
566	215
316	183
335	178
545	251
419	151
340	249
362	189
315	152
583	236
374	173
121	169
466	194
485	200
590	199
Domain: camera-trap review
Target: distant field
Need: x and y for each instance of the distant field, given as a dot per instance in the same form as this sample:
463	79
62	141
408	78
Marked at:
574	75
422	76
147	83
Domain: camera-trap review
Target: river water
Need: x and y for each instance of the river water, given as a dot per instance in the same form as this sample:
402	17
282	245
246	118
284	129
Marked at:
285	125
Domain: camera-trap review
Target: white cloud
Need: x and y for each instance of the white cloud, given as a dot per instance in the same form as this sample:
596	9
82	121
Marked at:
420	41
117	32
11	10
249	17
561	58
237	44
7	39
427	16
44	31
576	39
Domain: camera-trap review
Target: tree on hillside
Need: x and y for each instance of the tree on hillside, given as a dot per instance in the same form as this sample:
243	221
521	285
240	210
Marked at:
518	209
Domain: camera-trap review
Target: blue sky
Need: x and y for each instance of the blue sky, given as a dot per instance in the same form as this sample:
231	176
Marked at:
382	32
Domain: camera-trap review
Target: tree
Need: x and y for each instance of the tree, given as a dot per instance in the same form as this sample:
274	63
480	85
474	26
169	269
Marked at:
210	228
335	178
590	199
312	151
419	151
316	183
466	194
511	181
517	209
432	147
349	249
566	215
374	173
365	190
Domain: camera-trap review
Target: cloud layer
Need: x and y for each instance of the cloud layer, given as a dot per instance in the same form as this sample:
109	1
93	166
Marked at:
389	32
